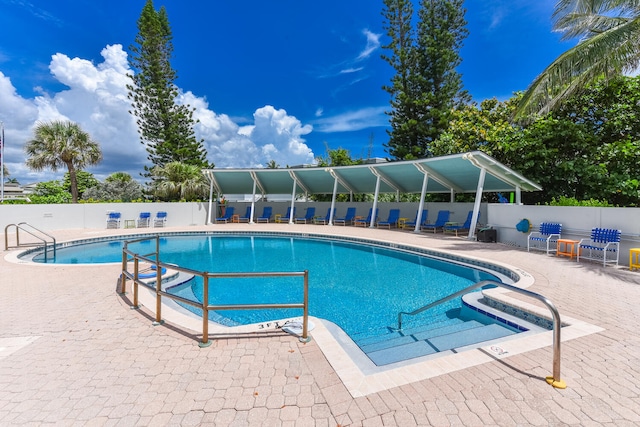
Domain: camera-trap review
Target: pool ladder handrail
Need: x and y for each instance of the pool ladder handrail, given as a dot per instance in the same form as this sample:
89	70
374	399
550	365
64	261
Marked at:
554	380
21	226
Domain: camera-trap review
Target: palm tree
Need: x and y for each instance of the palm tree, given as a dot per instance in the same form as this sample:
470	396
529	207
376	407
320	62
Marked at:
62	143
609	32
180	181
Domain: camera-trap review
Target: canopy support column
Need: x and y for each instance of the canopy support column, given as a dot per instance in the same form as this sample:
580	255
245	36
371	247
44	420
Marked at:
518	195
210	198
423	192
333	199
253	202
293	201
476	204
375	203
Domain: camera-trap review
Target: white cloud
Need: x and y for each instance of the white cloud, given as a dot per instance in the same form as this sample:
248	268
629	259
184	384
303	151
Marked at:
373	42
353	120
96	99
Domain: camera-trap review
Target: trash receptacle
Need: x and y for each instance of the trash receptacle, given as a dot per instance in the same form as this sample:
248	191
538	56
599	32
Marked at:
487	235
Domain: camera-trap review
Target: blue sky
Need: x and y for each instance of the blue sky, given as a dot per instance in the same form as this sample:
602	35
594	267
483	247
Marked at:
270	80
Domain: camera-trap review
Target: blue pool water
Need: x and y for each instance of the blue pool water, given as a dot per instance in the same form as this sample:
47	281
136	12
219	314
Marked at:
359	287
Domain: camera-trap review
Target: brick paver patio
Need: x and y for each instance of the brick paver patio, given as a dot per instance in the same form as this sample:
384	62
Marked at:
72	352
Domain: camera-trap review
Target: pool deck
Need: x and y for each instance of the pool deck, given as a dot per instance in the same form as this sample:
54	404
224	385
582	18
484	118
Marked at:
72	352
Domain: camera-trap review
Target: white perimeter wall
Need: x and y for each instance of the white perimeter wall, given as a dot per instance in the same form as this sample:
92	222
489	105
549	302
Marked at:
577	222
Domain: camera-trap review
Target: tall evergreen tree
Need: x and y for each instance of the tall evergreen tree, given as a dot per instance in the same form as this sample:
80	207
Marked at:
403	116
165	127
426	86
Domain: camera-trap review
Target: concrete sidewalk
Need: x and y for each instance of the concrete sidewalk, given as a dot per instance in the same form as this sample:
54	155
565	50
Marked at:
72	352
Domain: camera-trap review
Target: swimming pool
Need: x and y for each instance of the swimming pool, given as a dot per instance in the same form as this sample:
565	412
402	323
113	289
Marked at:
358	285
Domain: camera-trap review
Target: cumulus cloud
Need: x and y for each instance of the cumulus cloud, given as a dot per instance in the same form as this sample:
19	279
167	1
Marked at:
96	98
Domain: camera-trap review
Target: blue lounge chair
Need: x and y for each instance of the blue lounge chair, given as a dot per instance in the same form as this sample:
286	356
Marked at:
441	221
144	219
546	238
325	220
347	219
308	217
160	220
363	222
113	220
454	228
227	215
287	217
247	215
392	220
423	219
266	214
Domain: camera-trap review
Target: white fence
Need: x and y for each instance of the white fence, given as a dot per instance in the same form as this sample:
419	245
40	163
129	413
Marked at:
577	222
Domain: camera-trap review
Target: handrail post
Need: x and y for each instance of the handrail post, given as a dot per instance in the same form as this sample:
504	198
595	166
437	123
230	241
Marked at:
205	311
123	276
136	272
158	320
305	310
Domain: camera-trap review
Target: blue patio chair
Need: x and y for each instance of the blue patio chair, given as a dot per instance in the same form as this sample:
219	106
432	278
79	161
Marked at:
144	219
441	221
266	214
392	220
363	222
227	215
247	215
308	217
347	219
603	245
546	238
423	219
325	220
113	220
287	217
160	220
454	228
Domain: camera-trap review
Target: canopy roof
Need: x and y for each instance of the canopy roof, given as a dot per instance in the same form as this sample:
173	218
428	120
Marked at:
456	173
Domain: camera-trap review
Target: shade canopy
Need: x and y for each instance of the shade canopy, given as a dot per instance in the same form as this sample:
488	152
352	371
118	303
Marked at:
456	173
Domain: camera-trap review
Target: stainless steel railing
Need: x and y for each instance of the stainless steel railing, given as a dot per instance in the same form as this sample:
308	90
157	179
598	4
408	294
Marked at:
30	229
129	256
553	380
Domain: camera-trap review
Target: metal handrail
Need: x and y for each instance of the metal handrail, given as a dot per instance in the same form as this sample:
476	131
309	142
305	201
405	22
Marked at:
154	258
21	226
554	380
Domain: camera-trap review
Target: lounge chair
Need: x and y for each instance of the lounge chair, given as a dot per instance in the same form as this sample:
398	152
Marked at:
392	220
266	214
603	245
247	215
325	220
113	220
454	228
347	219
363	222
441	221
287	217
227	215
308	217
160	220
423	219
144	219
546	238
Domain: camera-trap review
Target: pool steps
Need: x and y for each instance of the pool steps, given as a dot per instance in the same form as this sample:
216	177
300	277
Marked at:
422	341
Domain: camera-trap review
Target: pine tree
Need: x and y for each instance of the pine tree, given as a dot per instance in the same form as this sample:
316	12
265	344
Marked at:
426	86
165	128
